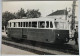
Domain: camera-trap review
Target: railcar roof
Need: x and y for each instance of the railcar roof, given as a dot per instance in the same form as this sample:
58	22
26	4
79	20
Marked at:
36	19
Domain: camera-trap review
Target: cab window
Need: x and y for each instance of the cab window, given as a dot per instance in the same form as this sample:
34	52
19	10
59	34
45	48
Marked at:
59	25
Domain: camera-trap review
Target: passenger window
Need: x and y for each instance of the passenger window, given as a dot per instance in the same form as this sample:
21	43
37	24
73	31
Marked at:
10	24
34	24
29	24
26	24
47	24
14	24
51	25
23	24
19	24
41	24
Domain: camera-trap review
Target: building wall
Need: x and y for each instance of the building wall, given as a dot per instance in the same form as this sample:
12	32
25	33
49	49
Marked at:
58	16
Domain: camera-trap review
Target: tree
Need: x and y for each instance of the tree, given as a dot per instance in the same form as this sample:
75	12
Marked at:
21	13
33	13
6	16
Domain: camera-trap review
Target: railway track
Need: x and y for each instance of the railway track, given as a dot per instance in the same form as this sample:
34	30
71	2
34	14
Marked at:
42	48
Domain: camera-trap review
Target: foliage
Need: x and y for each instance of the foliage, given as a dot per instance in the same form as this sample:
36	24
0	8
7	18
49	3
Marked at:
33	13
6	16
21	13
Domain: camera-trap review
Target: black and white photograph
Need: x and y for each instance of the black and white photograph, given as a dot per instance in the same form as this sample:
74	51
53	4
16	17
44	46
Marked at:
40	28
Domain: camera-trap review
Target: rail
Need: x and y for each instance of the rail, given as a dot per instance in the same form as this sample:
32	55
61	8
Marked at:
55	50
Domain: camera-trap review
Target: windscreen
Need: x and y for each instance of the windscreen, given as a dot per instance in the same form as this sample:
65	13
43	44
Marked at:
59	25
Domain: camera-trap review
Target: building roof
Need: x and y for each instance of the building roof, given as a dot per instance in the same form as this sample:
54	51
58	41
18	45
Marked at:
59	12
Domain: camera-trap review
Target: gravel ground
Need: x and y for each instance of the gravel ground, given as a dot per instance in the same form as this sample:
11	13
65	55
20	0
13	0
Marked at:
14	51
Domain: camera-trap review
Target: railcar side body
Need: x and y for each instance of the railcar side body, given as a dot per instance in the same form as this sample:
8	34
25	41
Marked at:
44	34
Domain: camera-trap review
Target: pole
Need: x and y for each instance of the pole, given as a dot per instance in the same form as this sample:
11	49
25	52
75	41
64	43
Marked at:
65	13
73	16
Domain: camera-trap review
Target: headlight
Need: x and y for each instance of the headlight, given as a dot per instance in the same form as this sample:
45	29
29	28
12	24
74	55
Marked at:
58	34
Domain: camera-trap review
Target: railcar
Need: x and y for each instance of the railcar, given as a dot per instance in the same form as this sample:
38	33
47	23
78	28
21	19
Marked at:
45	30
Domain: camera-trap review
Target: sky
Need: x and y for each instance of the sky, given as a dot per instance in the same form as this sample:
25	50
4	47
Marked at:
45	7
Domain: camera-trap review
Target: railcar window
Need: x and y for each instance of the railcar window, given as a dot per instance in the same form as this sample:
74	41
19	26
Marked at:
34	24
59	25
29	24
47	24
19	24
41	24
23	24
14	24
26	24
56	24
10	24
51	25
